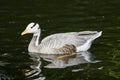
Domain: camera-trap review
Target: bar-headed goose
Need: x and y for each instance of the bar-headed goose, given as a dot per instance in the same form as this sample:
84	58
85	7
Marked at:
59	43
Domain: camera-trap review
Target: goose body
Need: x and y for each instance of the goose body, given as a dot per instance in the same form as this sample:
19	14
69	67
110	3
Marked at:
60	43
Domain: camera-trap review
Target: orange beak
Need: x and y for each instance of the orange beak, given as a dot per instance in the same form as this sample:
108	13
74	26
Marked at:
25	32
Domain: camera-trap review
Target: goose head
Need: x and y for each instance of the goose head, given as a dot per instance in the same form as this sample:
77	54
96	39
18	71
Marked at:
32	28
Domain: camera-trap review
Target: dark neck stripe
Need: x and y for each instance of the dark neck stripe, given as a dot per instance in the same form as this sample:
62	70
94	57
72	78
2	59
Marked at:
38	27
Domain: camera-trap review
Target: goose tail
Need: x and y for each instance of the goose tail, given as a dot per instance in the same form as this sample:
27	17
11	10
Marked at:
98	34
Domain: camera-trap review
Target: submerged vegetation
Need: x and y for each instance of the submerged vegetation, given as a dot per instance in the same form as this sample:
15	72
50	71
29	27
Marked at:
114	59
57	16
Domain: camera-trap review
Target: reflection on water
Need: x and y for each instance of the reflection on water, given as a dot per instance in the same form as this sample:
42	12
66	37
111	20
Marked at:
58	61
60	16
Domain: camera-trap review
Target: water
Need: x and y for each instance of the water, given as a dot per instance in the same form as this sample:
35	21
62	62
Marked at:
101	62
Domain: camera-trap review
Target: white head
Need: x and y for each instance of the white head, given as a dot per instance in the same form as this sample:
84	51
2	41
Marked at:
32	28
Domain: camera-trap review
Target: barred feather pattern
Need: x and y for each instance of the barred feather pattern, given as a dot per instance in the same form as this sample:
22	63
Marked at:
63	43
67	49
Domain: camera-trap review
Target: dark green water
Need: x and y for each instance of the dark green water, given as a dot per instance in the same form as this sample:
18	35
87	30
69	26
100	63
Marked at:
56	16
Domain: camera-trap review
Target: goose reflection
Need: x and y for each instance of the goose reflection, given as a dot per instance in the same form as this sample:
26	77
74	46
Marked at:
58	61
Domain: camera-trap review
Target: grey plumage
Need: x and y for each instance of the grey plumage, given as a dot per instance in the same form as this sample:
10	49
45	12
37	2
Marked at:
60	43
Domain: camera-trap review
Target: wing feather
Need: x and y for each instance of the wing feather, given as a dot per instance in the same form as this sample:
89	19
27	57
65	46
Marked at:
60	40
65	42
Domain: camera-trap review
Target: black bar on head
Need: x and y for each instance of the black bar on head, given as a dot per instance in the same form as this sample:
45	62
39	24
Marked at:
33	25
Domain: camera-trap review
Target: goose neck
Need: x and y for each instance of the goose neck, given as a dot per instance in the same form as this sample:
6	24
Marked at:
37	35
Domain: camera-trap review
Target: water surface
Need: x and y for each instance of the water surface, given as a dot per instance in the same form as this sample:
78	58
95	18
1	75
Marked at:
56	16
